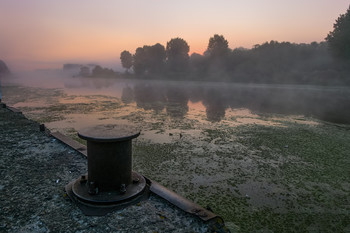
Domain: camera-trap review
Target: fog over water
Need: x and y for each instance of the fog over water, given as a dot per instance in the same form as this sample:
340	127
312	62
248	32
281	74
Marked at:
325	103
252	152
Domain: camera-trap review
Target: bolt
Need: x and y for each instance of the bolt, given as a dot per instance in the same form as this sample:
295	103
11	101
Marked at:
42	127
196	210
93	190
136	180
122	188
83	179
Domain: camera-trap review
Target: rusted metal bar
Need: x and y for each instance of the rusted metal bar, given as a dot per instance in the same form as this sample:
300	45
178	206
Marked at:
181	202
70	142
14	109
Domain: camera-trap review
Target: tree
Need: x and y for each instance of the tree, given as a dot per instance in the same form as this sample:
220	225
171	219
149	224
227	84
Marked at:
339	38
126	59
198	64
218	46
217	56
157	56
139	61
84	71
177	54
149	59
97	71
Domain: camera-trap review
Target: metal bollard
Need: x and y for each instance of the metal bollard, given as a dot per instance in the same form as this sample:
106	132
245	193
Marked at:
110	180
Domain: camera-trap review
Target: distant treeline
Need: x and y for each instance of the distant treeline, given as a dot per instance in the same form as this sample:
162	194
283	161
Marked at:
271	62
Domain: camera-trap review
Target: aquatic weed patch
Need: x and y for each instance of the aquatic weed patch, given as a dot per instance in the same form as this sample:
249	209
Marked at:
322	150
312	171
268	178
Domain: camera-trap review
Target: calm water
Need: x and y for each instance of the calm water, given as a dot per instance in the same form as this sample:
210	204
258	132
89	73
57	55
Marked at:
115	101
207	142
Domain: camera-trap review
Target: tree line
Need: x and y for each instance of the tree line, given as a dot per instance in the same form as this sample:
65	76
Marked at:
271	62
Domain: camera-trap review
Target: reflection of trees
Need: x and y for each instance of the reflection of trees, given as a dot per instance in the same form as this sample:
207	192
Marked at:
215	112
97	83
196	94
328	105
215	105
177	101
127	95
149	97
158	97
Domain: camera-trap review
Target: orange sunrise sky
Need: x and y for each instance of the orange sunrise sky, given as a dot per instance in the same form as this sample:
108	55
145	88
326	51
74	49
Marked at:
41	34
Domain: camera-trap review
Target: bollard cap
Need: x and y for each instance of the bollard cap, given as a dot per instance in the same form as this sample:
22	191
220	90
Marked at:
109	133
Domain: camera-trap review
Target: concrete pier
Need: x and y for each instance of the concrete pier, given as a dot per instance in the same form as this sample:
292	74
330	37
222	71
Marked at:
35	167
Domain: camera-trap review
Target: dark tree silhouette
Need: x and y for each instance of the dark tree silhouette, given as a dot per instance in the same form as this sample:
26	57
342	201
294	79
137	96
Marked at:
139	61
270	62
218	46
84	71
177	55
339	38
217	53
149	59
126	59
98	71
156	58
198	64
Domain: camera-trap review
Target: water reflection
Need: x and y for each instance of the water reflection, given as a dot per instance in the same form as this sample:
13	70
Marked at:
215	104
149	97
127	95
330	104
177	99
326	103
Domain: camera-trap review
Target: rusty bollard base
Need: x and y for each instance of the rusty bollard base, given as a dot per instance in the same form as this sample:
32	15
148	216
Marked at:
101	203
110	183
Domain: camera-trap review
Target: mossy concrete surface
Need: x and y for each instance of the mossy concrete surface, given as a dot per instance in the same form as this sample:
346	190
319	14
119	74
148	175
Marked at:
34	169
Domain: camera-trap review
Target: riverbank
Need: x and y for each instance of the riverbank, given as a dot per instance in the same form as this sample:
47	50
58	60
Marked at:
260	171
35	168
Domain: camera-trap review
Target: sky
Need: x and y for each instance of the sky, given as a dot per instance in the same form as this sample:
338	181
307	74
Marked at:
45	34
